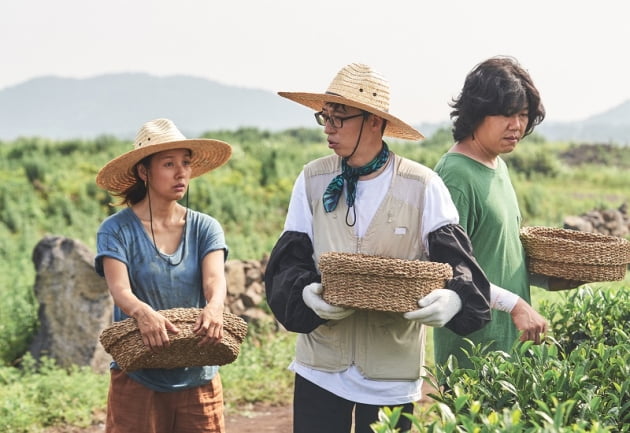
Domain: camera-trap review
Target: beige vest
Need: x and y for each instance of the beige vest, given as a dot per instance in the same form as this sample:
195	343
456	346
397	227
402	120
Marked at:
384	346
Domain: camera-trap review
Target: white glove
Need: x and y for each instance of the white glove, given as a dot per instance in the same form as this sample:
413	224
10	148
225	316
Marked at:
312	295
437	308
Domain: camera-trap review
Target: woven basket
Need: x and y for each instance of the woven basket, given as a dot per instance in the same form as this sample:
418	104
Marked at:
575	255
375	283
122	340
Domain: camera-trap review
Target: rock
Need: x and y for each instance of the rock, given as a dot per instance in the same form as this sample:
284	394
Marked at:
253	295
235	276
253	272
256	315
612	222
75	304
578	223
237	307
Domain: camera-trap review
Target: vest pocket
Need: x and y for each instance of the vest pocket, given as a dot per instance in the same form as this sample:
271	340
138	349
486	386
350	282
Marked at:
327	348
394	348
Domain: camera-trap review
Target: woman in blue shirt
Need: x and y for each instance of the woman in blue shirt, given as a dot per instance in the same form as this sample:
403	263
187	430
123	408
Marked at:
157	254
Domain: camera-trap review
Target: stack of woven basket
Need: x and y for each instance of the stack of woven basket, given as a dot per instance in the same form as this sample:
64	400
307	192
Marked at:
123	341
376	283
575	255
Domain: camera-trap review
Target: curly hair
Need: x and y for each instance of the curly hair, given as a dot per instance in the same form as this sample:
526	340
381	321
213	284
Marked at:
497	86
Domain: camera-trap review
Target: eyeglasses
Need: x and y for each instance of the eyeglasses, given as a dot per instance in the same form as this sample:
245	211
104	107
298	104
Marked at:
336	122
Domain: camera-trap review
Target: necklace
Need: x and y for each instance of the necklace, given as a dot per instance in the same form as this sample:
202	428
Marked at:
165	257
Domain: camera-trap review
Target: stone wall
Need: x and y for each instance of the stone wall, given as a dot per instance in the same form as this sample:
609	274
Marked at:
613	222
246	289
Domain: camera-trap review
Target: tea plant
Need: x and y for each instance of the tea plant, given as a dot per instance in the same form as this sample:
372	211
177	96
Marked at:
567	384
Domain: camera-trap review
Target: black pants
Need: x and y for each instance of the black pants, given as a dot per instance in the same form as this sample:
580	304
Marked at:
316	410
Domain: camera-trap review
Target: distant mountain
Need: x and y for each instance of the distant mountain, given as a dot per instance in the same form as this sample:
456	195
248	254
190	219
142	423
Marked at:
612	126
117	104
586	132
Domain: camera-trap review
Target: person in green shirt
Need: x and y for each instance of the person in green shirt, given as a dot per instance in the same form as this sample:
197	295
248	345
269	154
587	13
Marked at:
497	107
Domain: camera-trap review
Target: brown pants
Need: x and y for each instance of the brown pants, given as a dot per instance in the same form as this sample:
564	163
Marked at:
134	408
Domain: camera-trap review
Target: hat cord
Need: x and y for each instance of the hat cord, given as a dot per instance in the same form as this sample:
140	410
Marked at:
351	206
159	253
356	146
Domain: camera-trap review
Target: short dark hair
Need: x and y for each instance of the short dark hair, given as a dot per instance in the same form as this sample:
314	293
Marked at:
136	192
497	86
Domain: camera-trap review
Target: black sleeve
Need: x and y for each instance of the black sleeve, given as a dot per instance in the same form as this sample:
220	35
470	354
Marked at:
450	244
289	270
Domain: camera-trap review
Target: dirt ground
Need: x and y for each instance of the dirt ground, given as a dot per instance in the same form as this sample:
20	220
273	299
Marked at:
255	419
258	418
263	419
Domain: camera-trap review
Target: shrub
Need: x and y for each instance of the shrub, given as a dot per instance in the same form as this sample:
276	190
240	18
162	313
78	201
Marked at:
42	395
539	163
567	384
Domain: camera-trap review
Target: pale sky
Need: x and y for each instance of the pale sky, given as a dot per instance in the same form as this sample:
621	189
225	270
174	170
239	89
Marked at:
575	50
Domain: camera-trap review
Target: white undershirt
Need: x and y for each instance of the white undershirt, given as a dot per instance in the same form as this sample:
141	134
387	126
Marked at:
439	209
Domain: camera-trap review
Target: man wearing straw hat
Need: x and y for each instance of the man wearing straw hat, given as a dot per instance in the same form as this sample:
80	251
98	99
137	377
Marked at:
365	199
155	255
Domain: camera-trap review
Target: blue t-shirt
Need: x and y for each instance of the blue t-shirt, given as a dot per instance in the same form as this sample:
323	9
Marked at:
160	284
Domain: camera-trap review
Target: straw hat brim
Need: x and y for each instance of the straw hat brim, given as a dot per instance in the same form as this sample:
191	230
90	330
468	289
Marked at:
395	127
207	154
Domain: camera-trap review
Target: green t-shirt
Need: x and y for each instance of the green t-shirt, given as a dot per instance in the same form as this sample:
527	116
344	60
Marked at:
489	212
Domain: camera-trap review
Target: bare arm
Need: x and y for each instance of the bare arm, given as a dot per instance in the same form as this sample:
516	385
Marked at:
527	320
210	322
153	326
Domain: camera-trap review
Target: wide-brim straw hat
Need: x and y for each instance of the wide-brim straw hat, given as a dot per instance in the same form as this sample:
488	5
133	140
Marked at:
157	136
358	85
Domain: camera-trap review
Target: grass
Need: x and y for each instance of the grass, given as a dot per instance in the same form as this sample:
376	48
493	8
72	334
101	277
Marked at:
34	397
260	373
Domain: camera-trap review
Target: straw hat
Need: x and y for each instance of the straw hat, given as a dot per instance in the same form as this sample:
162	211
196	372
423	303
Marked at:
156	136
357	85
